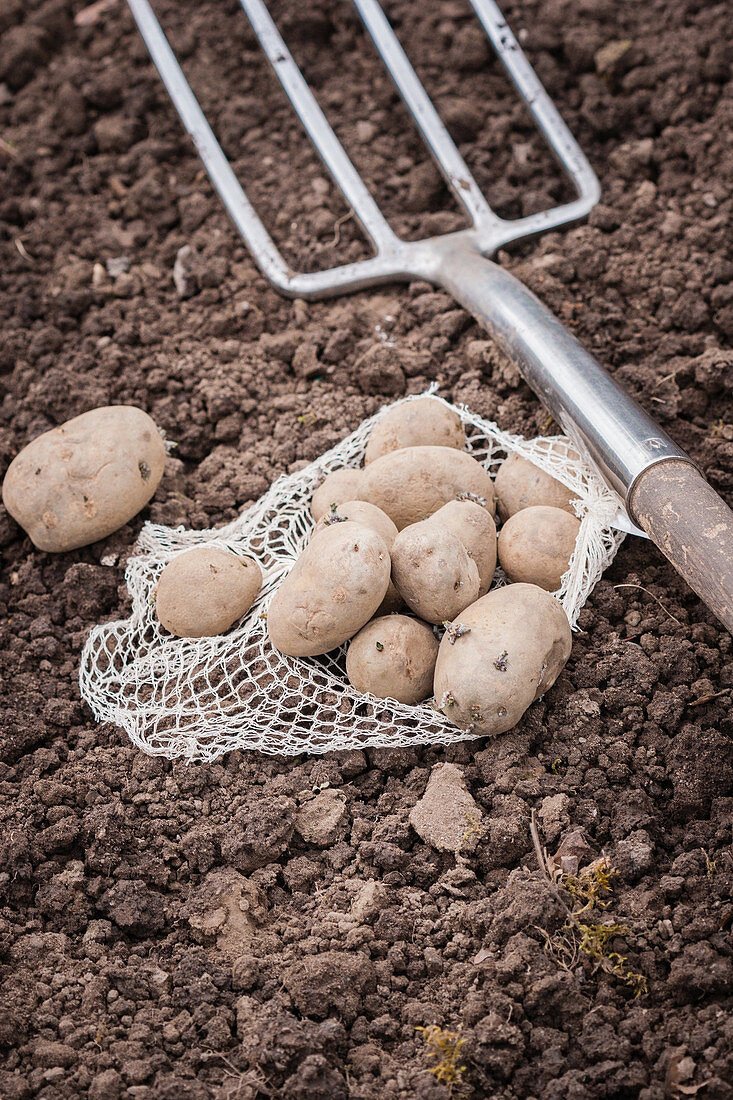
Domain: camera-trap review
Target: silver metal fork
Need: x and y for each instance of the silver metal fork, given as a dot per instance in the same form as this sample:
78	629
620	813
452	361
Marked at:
661	488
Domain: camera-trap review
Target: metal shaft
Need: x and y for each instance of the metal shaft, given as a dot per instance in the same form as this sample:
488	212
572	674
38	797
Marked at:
621	439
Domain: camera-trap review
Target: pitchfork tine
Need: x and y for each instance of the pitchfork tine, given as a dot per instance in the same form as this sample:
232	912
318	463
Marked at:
318	128
439	141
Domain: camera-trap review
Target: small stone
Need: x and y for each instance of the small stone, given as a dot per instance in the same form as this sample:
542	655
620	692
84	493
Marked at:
447	817
322	820
365	131
368	902
185	275
610	59
553	816
116	266
573	852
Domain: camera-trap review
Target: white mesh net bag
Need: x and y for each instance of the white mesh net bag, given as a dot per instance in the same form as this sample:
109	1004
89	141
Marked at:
199	698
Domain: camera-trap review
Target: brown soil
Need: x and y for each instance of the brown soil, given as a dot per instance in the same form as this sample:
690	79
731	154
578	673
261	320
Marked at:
165	931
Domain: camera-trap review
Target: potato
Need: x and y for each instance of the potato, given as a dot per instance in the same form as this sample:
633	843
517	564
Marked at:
535	545
338	486
520	484
476	529
393	658
359	511
83	480
424	421
412	483
334	588
202	591
432	572
502	653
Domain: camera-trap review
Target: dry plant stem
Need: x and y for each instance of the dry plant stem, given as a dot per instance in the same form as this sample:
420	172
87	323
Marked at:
576	937
7	148
707	698
643	589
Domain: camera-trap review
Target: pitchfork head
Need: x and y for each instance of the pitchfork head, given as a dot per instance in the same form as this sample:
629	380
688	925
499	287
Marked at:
393	257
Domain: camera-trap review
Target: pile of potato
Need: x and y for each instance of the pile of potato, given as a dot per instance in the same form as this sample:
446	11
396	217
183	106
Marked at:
402	548
408	544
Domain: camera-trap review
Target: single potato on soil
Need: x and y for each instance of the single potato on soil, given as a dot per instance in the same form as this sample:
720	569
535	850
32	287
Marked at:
338	486
520	484
334	588
79	482
536	544
503	652
203	591
393	657
432	571
412	483
424	421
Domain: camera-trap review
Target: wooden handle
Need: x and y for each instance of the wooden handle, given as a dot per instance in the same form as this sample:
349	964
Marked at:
693	527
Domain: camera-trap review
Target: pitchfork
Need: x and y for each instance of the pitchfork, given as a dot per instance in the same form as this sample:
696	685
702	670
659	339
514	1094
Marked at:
659	484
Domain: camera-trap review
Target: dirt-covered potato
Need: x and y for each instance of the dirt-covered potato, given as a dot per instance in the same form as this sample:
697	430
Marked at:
83	480
338	486
535	545
433	573
335	586
410	484
422	422
202	591
359	511
475	527
500	655
393	658
520	484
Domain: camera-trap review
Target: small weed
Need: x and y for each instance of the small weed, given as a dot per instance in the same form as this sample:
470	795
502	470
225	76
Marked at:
577	938
443	1047
380	646
555	765
709	866
594	943
474	827
588	886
